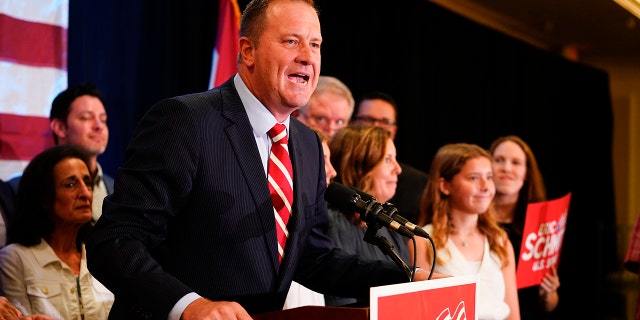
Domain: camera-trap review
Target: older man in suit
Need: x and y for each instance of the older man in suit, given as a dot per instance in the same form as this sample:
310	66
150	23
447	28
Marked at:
189	232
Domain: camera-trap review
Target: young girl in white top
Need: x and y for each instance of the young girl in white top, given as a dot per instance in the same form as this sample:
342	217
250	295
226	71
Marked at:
457	204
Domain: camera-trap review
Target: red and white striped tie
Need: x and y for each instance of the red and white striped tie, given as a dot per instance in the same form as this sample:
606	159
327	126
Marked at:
280	175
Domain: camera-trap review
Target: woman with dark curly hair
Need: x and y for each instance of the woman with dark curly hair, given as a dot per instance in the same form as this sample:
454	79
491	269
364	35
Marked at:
44	268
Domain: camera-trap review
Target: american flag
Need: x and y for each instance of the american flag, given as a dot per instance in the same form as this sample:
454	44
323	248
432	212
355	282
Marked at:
33	70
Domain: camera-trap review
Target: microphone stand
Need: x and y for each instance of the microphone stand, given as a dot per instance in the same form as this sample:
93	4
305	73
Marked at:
381	242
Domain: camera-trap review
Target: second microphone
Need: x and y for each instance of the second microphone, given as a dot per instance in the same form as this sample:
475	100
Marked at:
351	199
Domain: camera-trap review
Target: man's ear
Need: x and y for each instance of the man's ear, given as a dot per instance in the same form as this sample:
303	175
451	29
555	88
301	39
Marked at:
58	127
443	186
246	51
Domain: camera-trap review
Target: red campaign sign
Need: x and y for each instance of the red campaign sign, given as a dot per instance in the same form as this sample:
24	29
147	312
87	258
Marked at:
451	298
542	240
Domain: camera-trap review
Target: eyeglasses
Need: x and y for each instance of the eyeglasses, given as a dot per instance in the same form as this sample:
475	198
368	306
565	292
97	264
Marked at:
322	121
375	121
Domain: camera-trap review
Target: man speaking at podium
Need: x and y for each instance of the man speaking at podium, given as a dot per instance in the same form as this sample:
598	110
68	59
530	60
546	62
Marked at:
205	193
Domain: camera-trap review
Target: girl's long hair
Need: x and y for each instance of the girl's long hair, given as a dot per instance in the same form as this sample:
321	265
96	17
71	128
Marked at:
436	206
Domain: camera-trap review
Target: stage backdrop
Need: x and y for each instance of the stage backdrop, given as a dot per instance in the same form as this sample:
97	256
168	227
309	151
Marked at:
454	81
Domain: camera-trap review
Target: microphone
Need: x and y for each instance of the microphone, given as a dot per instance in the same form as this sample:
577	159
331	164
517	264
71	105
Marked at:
371	211
392	212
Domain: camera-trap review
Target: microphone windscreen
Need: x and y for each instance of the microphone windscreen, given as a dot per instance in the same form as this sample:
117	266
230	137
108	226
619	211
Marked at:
363	195
340	196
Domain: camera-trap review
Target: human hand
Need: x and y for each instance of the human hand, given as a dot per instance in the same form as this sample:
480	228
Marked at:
437	275
423	274
214	310
550	283
8	311
36	317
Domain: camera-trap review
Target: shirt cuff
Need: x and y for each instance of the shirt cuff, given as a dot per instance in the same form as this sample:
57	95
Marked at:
182	304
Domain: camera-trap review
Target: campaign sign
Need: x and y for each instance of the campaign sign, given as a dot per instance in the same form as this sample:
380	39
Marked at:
541	240
452	298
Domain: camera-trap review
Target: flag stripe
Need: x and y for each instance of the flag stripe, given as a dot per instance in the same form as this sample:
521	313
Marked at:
43	11
29	91
33	64
14	145
43	39
12	168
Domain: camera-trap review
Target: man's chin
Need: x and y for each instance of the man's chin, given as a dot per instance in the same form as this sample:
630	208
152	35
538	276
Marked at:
94	152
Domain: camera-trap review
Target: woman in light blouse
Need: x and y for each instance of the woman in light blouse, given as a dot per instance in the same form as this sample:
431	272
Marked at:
44	269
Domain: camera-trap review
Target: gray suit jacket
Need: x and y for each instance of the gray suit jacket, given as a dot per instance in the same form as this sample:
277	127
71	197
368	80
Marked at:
191	211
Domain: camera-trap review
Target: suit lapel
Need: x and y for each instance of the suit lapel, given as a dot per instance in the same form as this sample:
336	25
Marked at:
239	133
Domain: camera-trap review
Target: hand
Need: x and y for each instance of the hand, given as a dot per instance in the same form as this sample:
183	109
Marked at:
423	274
437	275
8	311
550	284
36	317
214	310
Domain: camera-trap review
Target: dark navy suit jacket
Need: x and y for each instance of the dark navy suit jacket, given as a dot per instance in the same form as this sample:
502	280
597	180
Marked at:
191	211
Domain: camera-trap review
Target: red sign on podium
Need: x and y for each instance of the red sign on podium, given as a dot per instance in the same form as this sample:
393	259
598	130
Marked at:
541	240
451	298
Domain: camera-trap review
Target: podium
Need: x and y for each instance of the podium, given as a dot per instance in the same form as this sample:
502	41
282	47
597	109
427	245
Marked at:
452	298
441	299
316	313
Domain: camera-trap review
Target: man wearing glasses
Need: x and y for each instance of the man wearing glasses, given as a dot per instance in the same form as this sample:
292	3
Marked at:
380	109
330	107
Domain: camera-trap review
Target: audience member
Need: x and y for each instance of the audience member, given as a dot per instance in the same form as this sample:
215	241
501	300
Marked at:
519	182
380	109
329	169
329	108
192	228
78	117
43	269
7	210
365	159
300	295
632	259
458	198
